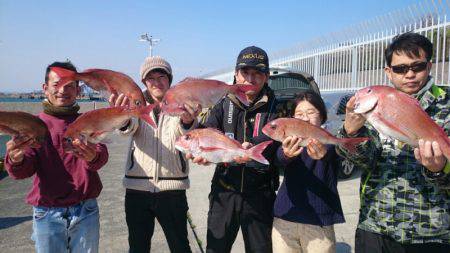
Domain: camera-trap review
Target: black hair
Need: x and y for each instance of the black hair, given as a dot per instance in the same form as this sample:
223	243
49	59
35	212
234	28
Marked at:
65	65
314	99
410	44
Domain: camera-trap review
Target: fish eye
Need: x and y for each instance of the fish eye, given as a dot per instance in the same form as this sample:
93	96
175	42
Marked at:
273	126
369	90
69	140
137	102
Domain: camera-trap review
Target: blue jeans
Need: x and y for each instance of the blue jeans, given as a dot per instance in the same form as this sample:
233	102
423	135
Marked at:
67	229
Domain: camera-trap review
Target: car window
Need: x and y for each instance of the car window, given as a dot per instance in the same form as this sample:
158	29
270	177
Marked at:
286	81
343	104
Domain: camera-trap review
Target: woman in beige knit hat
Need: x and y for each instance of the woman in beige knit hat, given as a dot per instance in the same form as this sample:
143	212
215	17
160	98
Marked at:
156	174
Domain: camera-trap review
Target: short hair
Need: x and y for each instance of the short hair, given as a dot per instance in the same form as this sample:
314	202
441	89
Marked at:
65	65
410	44
314	99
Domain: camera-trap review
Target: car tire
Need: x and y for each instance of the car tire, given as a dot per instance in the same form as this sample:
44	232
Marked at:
346	168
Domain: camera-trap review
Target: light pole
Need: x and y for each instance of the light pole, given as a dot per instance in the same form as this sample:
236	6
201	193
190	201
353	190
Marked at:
150	40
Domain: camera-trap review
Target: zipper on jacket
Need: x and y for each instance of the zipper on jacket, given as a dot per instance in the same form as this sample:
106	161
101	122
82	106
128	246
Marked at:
245	139
158	134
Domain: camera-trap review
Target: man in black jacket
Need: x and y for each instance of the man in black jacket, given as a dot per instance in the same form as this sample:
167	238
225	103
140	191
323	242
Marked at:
243	193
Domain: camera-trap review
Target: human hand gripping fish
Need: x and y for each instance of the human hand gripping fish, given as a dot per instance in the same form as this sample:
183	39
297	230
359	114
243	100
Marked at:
26	131
292	147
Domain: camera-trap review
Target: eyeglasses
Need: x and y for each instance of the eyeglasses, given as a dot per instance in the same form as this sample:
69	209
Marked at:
416	67
309	114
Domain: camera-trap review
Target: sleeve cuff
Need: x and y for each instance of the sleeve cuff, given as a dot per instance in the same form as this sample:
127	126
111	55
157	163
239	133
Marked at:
446	169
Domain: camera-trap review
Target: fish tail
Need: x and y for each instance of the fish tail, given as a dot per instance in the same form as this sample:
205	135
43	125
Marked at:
144	114
255	152
66	76
239	91
351	143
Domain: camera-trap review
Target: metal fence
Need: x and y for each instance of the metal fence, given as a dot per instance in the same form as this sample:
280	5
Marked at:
354	58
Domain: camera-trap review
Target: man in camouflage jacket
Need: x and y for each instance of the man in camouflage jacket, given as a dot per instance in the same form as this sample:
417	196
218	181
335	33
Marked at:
405	191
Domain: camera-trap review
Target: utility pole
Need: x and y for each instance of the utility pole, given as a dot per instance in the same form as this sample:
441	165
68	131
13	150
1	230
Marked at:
151	41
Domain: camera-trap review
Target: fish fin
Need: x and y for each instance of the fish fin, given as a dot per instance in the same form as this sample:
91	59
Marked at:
144	114
66	76
367	106
239	91
21	141
255	152
209	149
7	130
351	143
189	78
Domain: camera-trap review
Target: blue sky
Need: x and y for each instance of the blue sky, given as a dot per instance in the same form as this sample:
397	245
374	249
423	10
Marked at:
197	37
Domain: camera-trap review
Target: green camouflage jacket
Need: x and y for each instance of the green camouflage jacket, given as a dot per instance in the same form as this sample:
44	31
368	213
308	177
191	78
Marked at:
399	197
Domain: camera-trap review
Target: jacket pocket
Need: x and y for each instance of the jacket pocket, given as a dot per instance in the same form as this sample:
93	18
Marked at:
90	205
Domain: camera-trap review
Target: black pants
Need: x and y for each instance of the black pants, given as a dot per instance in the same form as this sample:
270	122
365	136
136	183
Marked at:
368	242
169	207
228	211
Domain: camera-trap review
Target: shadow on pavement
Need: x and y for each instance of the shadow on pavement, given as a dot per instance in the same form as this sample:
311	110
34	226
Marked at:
3	174
7	222
342	247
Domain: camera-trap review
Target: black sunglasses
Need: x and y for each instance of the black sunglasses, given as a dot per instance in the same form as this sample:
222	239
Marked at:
403	69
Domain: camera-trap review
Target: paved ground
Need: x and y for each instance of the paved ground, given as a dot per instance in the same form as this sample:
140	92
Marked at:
16	219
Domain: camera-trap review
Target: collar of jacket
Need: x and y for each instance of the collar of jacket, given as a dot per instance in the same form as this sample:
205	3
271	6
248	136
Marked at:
56	111
261	100
147	97
429	93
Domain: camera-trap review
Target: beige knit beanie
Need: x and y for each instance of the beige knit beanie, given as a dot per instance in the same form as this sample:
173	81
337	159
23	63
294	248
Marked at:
155	62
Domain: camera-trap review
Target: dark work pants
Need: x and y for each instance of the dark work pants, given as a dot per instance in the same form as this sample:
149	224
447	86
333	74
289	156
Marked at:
169	207
228	211
368	242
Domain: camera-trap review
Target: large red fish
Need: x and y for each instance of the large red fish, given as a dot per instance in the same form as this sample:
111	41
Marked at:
398	115
200	92
23	126
104	81
93	126
216	147
281	128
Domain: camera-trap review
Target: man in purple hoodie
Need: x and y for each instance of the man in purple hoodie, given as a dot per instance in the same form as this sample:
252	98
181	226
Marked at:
65	185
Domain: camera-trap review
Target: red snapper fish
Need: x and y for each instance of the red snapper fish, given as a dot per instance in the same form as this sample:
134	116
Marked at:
93	126
398	115
200	93
23	126
216	147
105	81
281	128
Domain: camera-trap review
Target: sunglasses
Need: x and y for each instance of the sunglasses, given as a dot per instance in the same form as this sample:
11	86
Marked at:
403	69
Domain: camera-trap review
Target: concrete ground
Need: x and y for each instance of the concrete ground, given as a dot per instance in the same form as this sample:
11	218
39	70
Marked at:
16	215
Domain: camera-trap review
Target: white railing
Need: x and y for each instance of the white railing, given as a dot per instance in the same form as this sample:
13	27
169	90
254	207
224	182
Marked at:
354	57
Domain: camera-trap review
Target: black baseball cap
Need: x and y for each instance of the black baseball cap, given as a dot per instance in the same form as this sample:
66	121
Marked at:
253	57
